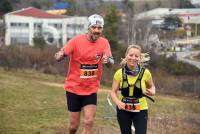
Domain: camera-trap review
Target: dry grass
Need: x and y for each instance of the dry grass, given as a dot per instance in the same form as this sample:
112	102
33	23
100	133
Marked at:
34	103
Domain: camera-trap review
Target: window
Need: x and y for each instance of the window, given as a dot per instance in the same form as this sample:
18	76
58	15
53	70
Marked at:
19	25
56	25
19	40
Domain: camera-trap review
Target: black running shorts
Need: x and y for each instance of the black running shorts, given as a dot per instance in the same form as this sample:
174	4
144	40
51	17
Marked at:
76	102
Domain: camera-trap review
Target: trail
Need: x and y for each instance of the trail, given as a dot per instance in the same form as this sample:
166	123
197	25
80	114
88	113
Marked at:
101	90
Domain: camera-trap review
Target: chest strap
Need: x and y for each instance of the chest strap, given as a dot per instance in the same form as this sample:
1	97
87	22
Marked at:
137	85
125	79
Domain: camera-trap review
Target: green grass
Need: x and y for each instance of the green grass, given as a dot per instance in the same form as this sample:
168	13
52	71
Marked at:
29	106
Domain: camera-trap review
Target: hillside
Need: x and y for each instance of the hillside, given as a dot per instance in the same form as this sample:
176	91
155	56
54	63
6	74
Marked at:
139	6
32	102
19	4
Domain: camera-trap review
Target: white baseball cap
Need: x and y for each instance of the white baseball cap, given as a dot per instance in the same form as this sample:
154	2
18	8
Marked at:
95	19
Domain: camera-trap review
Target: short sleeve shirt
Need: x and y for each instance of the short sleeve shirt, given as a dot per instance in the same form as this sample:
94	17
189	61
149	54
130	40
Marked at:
85	65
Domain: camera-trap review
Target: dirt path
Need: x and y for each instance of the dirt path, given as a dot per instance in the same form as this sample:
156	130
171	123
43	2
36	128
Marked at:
101	90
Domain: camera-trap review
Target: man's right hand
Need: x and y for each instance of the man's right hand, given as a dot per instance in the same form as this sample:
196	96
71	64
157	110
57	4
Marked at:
107	60
59	55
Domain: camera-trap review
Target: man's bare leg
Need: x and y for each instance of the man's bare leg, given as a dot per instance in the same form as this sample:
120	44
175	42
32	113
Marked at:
74	121
89	115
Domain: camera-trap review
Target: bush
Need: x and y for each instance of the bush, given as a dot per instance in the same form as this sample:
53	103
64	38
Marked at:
39	42
25	57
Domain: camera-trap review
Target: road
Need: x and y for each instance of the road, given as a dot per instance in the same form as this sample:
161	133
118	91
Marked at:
187	57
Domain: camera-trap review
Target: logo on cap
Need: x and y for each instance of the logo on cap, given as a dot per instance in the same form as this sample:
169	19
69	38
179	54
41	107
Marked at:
96	19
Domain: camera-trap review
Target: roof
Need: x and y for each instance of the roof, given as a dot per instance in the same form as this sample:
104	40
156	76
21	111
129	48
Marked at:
34	12
190	14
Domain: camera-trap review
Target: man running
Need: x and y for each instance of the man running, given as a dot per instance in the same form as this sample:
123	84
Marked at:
87	52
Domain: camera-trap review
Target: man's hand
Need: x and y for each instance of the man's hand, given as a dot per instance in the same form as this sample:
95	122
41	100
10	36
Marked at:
59	55
106	59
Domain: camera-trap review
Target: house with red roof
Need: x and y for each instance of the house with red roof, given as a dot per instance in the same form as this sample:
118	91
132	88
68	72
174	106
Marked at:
23	25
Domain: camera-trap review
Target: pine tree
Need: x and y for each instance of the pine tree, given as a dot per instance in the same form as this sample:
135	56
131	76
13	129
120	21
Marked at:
111	26
5	6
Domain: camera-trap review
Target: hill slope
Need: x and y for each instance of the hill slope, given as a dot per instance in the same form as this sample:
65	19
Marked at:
29	105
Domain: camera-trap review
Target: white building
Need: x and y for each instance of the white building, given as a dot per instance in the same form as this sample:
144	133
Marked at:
23	25
155	17
191	16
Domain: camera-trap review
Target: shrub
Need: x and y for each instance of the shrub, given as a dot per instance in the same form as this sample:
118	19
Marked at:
39	42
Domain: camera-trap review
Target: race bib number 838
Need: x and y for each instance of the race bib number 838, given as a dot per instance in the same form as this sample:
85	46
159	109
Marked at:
88	70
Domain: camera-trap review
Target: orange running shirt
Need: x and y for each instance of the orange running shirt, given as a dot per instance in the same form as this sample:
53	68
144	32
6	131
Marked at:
85	65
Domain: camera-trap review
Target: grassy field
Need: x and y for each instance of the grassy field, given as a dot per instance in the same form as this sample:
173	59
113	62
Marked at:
34	103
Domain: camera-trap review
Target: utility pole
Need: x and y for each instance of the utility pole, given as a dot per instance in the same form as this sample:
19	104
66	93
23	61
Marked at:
196	29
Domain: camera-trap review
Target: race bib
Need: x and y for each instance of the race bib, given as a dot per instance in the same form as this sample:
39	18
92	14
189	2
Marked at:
131	104
88	70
